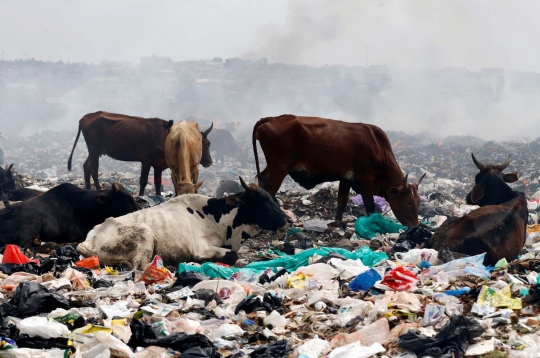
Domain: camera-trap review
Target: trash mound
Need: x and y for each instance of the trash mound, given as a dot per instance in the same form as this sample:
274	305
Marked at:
316	302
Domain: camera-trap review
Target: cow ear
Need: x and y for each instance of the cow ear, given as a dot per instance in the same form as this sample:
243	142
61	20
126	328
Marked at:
511	177
199	185
234	200
115	188
103	198
477	193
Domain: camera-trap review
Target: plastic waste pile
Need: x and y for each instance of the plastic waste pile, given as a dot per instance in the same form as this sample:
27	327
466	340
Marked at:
318	302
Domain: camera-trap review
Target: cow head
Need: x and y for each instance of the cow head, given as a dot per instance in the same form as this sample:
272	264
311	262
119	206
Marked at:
186	187
257	207
7	179
206	158
490	184
117	201
404	201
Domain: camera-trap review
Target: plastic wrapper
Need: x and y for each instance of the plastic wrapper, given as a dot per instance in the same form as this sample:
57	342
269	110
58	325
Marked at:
492	297
156	272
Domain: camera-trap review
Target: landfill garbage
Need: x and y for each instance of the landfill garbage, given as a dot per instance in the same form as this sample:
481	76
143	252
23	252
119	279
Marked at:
13	255
319	292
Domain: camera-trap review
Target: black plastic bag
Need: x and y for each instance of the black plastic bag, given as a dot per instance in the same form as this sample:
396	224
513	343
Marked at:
139	332
201	310
410	238
274	302
278	349
198	352
452	340
180	341
25	341
189	278
207	295
31	299
535	292
252	304
102	283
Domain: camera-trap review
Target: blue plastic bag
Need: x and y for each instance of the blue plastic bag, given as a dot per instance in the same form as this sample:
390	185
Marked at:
365	280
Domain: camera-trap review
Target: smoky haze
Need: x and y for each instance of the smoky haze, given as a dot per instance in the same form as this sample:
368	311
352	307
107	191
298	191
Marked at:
447	67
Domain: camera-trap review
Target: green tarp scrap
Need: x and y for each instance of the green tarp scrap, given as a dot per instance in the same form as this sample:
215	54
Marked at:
289	262
370	226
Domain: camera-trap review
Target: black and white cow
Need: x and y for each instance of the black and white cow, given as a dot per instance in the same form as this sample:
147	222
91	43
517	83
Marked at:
187	228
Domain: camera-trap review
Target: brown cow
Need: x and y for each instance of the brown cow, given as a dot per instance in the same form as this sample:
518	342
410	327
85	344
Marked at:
126	138
316	150
185	147
498	227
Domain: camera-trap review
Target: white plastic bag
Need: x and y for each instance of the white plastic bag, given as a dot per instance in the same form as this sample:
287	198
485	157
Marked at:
313	348
43	327
356	350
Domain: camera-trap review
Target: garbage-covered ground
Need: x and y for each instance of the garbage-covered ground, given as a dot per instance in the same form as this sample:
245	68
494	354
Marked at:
369	289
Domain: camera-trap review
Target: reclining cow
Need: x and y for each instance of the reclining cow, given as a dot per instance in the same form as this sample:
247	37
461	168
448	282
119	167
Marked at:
498	227
185	147
316	150
186	228
63	214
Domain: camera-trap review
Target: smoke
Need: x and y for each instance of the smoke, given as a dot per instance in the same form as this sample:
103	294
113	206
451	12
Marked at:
448	67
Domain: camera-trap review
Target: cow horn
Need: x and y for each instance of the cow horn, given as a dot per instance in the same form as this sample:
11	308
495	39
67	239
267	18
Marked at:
478	163
506	163
115	187
206	132
9	168
406	182
420	180
243	183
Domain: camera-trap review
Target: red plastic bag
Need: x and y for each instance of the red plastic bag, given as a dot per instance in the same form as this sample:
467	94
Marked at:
156	272
400	279
14	255
91	263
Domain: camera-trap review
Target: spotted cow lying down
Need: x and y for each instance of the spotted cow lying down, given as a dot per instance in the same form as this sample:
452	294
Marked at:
187	228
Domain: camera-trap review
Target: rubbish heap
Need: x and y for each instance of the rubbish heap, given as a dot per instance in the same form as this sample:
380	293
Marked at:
369	288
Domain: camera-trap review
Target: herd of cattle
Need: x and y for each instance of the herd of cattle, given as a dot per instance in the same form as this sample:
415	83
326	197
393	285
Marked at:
193	227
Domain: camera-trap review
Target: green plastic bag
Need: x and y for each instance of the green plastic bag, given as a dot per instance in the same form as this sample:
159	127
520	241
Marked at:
375	224
289	262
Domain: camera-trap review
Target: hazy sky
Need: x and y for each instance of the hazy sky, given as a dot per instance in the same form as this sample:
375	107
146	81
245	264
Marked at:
419	34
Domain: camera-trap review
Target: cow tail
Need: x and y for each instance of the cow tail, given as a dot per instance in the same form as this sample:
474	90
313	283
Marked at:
254	141
74	145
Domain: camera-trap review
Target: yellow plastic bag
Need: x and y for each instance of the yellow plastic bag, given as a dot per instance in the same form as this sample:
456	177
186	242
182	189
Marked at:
491	297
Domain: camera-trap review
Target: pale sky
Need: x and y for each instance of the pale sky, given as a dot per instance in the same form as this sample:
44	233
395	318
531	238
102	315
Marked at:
405	34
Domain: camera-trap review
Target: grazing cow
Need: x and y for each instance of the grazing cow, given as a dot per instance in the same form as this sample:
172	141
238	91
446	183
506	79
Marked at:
186	228
63	214
185	147
126	138
498	227
316	150
224	144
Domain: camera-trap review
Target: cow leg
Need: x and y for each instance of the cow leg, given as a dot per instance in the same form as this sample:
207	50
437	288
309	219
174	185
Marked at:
87	167
343	197
145	170
157	179
94	168
213	253
273	182
174	179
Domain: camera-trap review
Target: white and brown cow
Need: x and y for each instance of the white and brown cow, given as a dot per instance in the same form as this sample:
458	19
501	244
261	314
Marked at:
185	147
186	228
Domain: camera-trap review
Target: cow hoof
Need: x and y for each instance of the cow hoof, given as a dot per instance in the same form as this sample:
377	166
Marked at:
230	258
